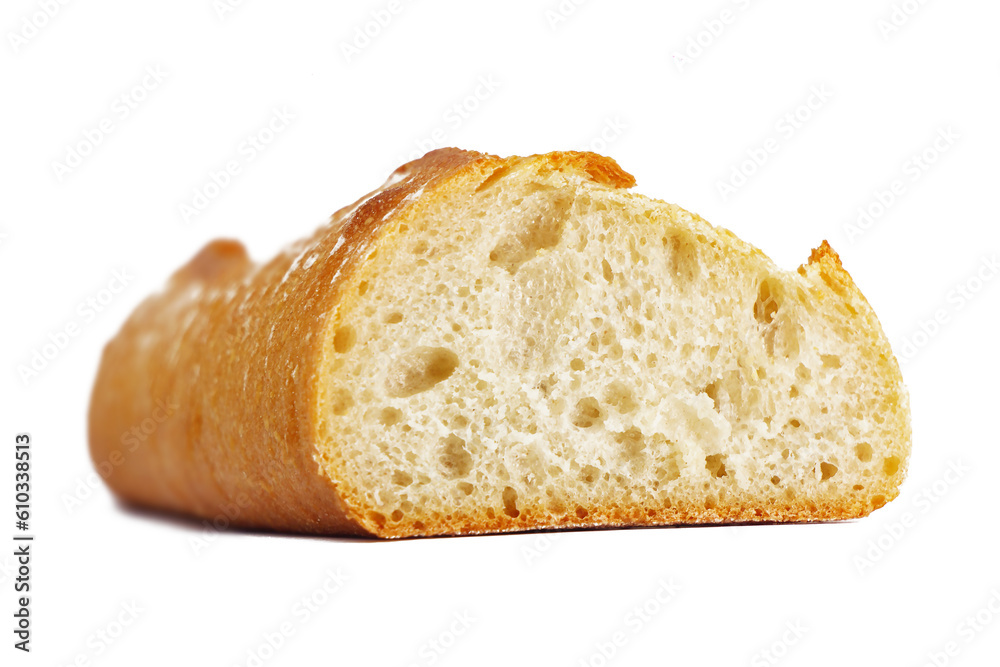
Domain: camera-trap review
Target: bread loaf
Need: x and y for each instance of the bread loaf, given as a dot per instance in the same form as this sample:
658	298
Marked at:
498	344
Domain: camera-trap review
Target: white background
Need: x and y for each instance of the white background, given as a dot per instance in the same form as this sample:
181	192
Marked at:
618	77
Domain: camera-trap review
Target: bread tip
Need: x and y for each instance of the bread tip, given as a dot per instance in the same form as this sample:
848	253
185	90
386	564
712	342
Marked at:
824	250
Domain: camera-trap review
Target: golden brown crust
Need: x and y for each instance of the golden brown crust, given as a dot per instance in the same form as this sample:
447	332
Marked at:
536	518
207	401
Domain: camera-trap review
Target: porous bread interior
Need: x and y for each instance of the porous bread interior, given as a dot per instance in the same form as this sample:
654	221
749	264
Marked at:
546	351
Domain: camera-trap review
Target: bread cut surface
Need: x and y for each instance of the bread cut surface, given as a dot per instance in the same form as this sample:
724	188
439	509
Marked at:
490	344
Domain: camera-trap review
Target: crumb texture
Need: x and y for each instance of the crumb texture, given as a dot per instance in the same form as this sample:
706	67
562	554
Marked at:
537	349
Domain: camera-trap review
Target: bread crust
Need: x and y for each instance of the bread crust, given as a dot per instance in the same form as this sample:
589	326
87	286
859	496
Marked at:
234	350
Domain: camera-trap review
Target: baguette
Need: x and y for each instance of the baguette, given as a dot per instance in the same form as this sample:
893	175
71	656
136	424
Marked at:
490	344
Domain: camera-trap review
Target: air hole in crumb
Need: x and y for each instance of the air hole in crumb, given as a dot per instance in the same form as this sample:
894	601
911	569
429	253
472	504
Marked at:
378	518
857	487
784	453
396	515
492	178
830	361
582	513
878	501
510	502
390	416
394	318
863	451
455	459
590	474
606	270
890	465
362	287
343	339
522	244
716	465
402	478
607	336
466	488
341	401
794	423
588	413
420	370
682	257
577	365
766	306
712	391
775	480
827	470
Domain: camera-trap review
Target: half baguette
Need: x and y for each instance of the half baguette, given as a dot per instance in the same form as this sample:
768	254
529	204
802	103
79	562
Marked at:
492	344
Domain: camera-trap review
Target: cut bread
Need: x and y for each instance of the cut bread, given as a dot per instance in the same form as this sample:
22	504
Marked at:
490	344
